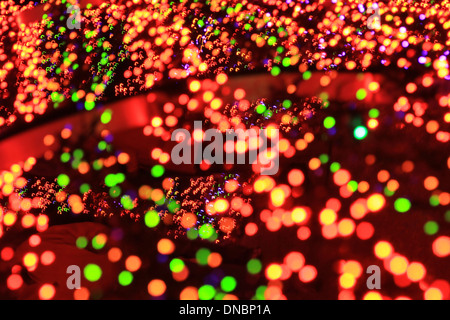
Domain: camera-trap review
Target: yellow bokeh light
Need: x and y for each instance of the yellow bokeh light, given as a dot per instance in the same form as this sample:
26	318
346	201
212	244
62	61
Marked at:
274	271
398	265
383	249
375	202
347	280
298	215
327	216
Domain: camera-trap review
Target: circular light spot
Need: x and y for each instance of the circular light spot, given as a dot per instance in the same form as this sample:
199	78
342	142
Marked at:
296	177
151	219
30	259
329	122
433	294
254	266
206	292
347	280
156	287
441	246
47	292
14	282
431	227
176	265
133	263
360	132
81	294
92	272
125	278
307	274
327	216
375	202
274	271
114	254
165	246
157	171
294	260
189	293
402	205
63	180
228	284
383	249
361	94
416	271
398	265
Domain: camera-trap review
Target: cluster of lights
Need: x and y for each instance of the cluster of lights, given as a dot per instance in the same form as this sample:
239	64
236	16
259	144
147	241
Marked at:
141	46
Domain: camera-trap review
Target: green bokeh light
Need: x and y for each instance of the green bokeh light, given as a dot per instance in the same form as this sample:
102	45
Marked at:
206	292
254	266
176	265
388	192
335	166
361	94
157	171
261	108
205	231
151	219
324	158
268	114
102	145
352	185
402	205
92	272
173	206
63	180
125	278
287	104
202	256
431	228
115	191
127	202
434	200
78	154
374	113
219	296
192	234
260	293
275	71
98	242
228	284
81	242
65	157
110	180
84	188
307	75
286	62
97	165
106	116
272	40
329	122
89	105
360	132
